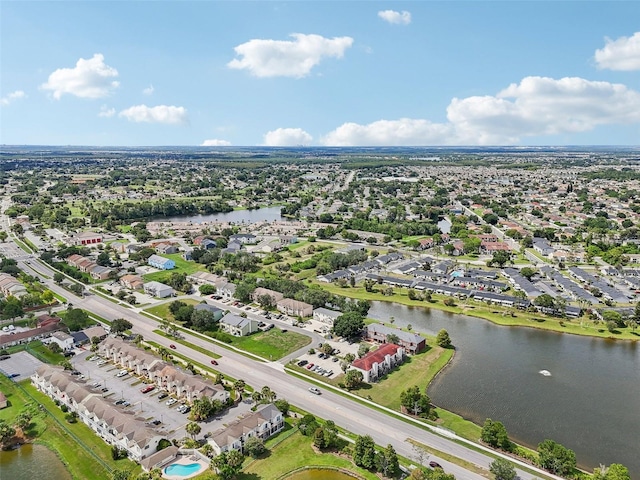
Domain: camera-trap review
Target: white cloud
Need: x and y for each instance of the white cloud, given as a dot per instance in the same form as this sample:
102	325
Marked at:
537	106
167	114
284	137
90	78
405	131
398	18
281	58
106	112
215	143
148	91
620	54
10	98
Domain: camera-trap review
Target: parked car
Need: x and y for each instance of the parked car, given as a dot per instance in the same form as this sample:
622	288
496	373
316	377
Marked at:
147	389
309	366
170	402
69	354
314	390
13	375
104	389
163	395
4	357
172	346
101	362
126	404
302	363
120	402
156	422
213	362
435	465
122	373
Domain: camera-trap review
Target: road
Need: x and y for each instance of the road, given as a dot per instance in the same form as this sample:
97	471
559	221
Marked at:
344	411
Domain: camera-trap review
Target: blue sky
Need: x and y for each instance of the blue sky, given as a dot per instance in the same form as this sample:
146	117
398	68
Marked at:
148	73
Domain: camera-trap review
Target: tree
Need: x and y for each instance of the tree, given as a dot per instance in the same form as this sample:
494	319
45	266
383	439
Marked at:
207	289
415	401
228	464
282	405
353	378
545	300
495	434
500	258
527	272
308	425
103	259
387	461
58	278
503	469
364	452
203	320
363	349
443	340
393	338
254	446
615	471
349	324
120	325
6	431
120	475
76	319
193	429
256	396
54	347
556	458
23	420
268	395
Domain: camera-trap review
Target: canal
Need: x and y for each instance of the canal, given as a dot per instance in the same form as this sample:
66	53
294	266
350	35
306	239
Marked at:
589	403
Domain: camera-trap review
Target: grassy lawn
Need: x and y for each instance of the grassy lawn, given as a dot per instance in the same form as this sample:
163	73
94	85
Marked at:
38	350
47	431
182	266
294	452
162	310
272	344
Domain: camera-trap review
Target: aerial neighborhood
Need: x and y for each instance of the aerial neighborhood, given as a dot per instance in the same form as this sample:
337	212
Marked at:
201	316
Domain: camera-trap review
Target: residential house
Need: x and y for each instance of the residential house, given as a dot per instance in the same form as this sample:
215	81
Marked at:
166	248
377	363
117	428
133	282
266	421
227	290
63	339
325	315
238	326
272	294
243	238
42	331
161	262
411	342
100	273
10	286
217	312
294	308
542	246
208	244
158	289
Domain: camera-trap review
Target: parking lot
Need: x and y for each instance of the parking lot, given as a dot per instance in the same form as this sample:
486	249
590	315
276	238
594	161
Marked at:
19	366
125	392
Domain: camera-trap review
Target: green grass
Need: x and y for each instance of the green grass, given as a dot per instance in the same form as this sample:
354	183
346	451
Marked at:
272	344
162	310
182	266
45	430
295	452
38	350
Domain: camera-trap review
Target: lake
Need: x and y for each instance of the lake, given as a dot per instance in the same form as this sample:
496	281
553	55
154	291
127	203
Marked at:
266	214
31	462
589	403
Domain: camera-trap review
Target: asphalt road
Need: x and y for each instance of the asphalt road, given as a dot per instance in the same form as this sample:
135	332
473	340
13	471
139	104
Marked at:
345	412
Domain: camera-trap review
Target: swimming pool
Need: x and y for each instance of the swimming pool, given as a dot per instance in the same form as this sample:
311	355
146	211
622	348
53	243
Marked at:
182	470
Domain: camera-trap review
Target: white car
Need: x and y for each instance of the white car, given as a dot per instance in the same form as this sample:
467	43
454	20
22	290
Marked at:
122	373
170	402
314	390
101	362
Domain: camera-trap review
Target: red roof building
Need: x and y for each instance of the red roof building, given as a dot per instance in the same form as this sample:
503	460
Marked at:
377	363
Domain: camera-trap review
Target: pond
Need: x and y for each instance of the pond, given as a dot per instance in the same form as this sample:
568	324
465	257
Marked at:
320	474
30	462
586	399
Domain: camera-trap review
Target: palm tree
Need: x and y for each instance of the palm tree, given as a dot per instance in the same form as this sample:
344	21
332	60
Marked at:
163	352
193	429
268	394
256	396
239	387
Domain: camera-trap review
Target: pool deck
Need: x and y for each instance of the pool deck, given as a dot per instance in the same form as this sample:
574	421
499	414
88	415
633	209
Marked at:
185	460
